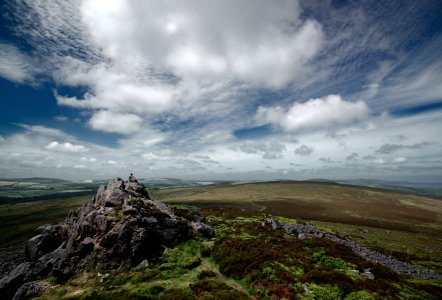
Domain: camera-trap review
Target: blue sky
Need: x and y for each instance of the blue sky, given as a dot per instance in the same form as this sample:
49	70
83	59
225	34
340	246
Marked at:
238	90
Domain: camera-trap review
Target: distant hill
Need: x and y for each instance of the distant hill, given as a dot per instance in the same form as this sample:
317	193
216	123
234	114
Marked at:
34	179
431	189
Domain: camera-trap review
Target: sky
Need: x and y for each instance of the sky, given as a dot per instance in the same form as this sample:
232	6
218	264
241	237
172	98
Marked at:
221	89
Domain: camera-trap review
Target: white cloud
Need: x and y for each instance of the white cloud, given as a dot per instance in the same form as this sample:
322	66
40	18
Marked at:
14	65
304	150
352	157
379	161
115	122
65	147
88	159
271	150
399	160
61	118
185	59
207	40
120	91
111	162
178	78
314	114
44	130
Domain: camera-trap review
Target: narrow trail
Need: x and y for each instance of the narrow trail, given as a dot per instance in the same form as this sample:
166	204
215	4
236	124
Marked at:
205	264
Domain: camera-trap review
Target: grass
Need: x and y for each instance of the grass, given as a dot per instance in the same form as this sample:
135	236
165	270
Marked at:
18	221
379	219
246	259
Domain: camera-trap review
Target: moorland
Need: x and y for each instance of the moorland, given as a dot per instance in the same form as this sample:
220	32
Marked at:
247	258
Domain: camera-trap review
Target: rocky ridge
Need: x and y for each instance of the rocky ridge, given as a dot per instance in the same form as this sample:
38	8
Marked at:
402	268
121	227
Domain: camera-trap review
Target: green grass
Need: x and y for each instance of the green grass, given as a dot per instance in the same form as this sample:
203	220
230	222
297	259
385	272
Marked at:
236	264
247	259
18	221
394	223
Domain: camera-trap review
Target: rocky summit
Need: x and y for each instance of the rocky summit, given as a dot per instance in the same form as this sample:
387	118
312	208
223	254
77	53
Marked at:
121	227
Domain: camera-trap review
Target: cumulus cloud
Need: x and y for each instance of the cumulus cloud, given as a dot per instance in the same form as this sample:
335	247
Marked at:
379	161
369	157
271	150
115	122
399	160
149	58
326	159
390	148
352	157
207	40
314	114
65	147
189	163
304	150
88	159
121	92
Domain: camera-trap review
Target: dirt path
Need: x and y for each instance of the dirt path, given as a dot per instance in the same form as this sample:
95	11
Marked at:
205	264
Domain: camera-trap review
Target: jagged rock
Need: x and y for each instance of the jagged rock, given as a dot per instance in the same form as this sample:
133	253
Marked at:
120	228
49	237
204	229
30	289
11	282
275	223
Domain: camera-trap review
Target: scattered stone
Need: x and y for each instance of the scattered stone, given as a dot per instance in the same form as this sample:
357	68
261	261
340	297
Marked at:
204	229
275	223
306	288
399	267
367	274
144	264
102	277
301	236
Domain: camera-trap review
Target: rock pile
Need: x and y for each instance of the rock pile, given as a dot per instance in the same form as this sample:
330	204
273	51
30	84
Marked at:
402	268
120	228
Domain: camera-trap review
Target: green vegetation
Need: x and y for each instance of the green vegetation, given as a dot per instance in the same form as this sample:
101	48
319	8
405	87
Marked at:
246	260
18	221
378	219
322	202
273	266
34	189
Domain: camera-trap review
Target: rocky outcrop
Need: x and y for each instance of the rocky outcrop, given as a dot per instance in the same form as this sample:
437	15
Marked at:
400	267
121	227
